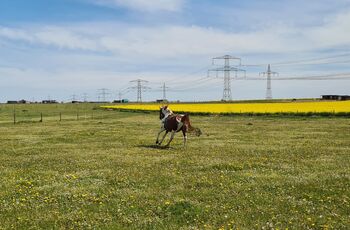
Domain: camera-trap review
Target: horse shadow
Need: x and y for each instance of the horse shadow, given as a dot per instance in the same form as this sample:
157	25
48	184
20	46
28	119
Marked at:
153	146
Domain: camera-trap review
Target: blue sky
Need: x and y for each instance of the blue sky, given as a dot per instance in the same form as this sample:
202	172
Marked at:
57	48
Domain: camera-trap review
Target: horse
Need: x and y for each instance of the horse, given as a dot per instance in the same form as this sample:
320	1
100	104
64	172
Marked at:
174	123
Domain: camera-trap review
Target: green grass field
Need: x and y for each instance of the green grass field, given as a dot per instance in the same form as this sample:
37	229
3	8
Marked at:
103	171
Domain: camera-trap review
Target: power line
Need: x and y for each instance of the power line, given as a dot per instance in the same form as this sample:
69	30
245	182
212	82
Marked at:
199	85
300	62
125	87
317	63
310	60
177	80
338	76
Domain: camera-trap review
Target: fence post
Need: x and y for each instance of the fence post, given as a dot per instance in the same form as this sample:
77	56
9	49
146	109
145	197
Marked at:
41	117
60	116
14	117
77	116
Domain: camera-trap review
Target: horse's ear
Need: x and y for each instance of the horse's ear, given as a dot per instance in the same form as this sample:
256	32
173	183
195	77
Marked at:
165	107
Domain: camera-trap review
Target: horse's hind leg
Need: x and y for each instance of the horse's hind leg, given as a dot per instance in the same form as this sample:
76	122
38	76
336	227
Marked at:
163	138
171	138
185	137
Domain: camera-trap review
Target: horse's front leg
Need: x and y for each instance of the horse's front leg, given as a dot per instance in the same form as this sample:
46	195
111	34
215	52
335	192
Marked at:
163	138
162	129
171	138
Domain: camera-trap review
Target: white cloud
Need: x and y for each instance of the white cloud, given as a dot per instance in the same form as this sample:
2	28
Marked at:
15	34
144	5
146	44
52	36
119	53
65	38
160	42
177	41
335	32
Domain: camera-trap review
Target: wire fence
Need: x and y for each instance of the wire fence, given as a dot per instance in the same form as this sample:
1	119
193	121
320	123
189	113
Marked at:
38	113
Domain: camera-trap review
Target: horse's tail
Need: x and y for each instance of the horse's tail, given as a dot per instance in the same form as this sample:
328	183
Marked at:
186	120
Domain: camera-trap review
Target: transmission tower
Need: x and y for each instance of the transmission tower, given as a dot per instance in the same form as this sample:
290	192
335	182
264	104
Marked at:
139	88
85	97
227	69
164	88
102	93
269	74
73	97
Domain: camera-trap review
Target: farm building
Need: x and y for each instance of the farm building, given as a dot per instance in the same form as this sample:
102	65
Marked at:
18	102
162	101
336	97
49	102
121	101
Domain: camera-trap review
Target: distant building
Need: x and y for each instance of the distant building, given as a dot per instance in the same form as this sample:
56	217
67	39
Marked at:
49	102
18	102
336	97
23	101
121	101
161	101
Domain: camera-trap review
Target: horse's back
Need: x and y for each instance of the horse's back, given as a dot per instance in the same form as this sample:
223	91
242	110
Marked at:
171	123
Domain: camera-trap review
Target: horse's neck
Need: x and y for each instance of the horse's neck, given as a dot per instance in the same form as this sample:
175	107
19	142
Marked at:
167	113
166	116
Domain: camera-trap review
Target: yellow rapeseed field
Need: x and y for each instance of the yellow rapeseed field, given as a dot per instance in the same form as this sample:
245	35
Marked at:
217	108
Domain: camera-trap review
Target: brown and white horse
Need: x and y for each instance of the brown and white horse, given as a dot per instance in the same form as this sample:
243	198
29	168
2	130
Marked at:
174	123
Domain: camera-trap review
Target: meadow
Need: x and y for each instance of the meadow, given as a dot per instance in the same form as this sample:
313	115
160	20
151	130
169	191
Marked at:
100	169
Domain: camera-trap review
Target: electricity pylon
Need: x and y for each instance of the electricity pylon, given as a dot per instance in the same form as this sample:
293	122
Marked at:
227	69
269	74
85	97
164	88
74	97
139	88
102	93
